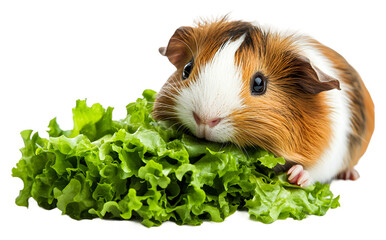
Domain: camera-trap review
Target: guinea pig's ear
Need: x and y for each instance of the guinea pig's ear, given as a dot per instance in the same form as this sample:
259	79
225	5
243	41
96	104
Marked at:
178	50
313	80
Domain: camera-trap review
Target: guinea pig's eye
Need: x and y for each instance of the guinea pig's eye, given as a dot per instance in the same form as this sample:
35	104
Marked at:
258	84
187	69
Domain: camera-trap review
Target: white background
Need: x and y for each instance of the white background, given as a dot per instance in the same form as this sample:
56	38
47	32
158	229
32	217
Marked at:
54	52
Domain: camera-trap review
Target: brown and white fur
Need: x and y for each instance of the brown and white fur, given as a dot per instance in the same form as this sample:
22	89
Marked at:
316	111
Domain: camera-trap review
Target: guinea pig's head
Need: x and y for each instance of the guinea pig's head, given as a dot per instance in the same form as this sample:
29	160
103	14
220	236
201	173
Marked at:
237	83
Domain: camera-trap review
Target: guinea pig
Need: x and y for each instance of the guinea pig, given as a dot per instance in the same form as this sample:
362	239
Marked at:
284	92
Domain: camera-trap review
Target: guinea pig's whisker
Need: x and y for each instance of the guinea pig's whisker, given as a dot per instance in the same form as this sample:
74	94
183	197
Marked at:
165	104
248	135
169	108
171	87
223	145
168	94
175	88
177	84
174	124
173	119
245	151
182	128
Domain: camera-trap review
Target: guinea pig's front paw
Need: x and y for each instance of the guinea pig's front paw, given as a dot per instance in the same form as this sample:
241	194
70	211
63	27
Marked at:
297	175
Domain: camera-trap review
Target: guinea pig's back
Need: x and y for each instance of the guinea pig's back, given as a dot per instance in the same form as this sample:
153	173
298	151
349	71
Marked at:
361	105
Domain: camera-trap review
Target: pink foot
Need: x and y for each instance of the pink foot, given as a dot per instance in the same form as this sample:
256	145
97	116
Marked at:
350	174
297	175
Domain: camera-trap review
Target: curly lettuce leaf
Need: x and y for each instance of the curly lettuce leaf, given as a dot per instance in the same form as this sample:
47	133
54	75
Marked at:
136	168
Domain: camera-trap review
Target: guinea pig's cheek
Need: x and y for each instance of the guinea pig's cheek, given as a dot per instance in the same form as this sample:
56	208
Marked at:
184	113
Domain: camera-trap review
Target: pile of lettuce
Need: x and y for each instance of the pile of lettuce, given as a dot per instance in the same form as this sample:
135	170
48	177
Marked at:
138	169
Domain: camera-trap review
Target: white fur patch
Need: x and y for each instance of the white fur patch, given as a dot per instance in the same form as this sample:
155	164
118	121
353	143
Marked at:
214	94
332	160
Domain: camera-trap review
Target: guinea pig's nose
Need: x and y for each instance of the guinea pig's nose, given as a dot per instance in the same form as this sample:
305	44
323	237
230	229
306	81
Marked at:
211	122
197	118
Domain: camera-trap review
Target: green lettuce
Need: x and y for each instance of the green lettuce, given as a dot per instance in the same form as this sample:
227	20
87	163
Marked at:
138	169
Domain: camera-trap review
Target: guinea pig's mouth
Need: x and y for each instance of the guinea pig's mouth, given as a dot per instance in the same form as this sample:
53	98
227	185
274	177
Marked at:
203	132
212	129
